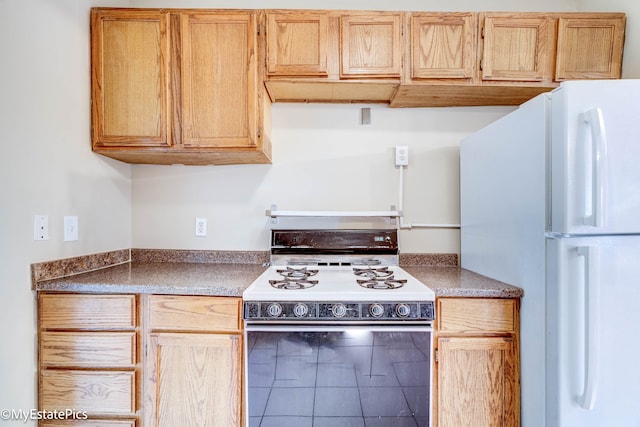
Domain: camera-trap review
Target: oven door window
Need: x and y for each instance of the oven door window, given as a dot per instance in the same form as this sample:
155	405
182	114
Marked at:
338	377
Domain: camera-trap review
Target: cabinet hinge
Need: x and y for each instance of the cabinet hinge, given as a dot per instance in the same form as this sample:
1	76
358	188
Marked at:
435	355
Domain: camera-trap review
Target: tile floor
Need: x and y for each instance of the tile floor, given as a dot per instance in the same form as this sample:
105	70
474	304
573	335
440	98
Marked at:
322	379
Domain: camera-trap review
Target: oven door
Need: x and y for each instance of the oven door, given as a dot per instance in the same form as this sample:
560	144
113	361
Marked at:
338	375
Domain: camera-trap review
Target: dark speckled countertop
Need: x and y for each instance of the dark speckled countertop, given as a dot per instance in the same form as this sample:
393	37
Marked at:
228	273
161	278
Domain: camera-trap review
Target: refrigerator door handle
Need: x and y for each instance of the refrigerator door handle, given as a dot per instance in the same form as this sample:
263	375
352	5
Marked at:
591	344
595	121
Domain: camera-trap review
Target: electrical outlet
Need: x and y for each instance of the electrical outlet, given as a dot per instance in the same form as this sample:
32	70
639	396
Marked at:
40	227
402	155
201	227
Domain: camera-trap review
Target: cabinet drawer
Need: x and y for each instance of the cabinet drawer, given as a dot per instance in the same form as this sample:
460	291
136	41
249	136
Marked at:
194	313
88	350
71	311
89	423
96	392
477	315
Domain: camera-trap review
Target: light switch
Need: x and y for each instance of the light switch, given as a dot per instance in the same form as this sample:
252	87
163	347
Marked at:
70	228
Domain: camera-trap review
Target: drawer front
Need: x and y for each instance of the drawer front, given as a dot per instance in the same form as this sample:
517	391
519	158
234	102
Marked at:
71	311
477	315
89	423
88	350
194	313
96	392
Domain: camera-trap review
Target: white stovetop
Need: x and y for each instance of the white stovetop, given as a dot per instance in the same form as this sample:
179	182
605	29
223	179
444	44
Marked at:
337	283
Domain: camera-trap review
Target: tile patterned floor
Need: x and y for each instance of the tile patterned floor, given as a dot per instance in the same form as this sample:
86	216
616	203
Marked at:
320	379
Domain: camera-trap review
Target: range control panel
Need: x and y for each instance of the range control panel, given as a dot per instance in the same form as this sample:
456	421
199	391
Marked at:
343	311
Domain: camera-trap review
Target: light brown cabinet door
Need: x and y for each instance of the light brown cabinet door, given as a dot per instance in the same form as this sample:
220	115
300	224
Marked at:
590	48
370	45
195	380
219	79
518	48
443	45
130	96
297	43
477	382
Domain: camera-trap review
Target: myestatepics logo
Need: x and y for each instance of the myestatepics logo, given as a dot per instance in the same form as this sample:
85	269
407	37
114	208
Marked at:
34	414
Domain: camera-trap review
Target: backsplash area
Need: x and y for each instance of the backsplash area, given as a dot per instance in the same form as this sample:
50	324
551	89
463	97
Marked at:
323	159
54	269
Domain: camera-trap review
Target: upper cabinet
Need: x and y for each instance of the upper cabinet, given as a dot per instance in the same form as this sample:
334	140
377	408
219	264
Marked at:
130	78
442	46
194	86
333	56
370	45
513	56
297	43
517	47
178	86
590	47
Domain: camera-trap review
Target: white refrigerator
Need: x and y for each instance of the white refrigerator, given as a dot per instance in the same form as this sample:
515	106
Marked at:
550	202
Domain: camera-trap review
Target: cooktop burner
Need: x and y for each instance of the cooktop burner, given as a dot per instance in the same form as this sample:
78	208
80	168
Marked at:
301	272
293	283
373	273
382	283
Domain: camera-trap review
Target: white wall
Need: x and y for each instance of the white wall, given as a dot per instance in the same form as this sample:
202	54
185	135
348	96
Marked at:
46	167
323	159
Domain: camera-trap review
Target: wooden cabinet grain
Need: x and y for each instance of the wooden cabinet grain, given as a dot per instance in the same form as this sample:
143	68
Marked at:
297	43
517	47
370	45
193	362
88	357
442	46
178	86
477	377
333	55
516	56
590	47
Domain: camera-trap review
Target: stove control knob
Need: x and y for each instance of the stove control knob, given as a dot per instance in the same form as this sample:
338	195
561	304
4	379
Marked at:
403	310
339	310
300	310
376	310
274	309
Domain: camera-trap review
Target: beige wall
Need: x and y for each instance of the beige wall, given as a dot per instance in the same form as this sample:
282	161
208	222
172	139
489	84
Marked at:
46	166
323	159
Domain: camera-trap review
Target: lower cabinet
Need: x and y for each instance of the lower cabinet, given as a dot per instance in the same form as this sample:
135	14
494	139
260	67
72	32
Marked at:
193	361
88	360
477	377
140	360
169	360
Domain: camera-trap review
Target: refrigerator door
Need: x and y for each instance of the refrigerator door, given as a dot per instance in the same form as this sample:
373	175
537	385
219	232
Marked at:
592	377
503	211
594	157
